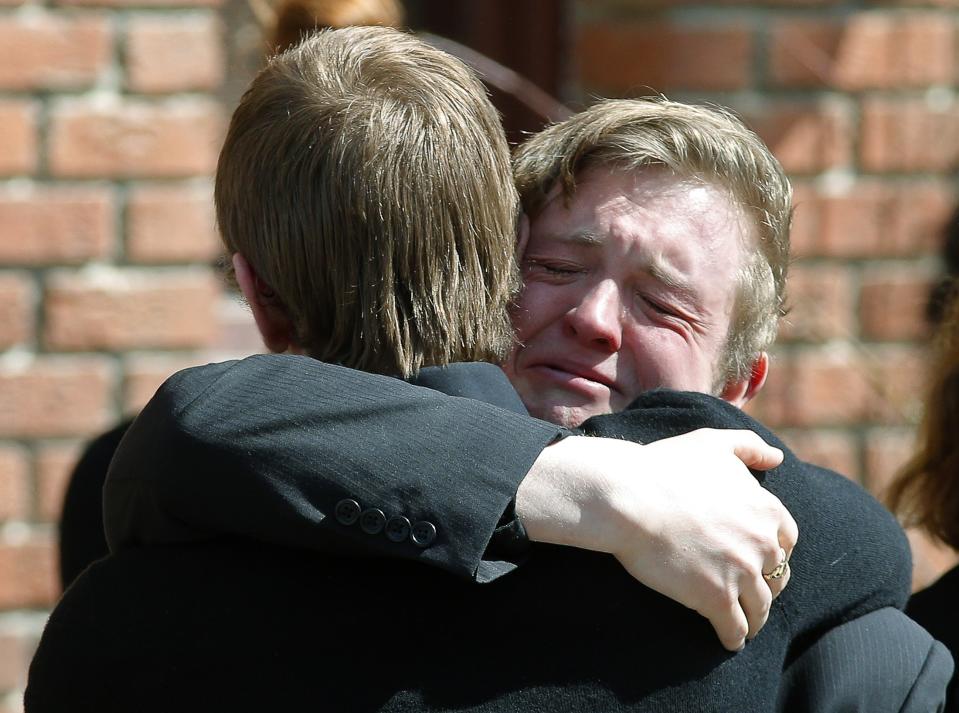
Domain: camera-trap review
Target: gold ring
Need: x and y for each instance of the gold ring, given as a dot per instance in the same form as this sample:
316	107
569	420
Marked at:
780	569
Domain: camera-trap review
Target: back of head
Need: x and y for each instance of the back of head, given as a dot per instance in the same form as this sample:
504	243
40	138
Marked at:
697	142
366	178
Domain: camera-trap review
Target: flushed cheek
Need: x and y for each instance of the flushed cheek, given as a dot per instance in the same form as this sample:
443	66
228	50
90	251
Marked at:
538	308
654	358
522	326
684	371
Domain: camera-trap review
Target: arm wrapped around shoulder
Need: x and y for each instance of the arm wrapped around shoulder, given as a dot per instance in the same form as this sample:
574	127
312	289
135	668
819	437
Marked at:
267	447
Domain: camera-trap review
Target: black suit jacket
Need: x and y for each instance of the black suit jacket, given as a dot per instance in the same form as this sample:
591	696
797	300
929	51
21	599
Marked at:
280	431
568	631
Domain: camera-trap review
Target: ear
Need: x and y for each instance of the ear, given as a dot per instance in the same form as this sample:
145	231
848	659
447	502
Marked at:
522	236
738	393
271	318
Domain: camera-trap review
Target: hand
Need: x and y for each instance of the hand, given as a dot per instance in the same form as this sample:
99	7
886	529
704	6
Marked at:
683	515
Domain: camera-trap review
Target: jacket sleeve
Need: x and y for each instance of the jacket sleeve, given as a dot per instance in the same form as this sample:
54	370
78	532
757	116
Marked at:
880	662
292	451
851	558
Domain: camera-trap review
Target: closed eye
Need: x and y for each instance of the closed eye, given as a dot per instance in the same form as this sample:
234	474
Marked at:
659	307
551	268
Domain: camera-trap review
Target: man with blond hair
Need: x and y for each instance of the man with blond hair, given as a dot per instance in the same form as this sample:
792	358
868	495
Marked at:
619	259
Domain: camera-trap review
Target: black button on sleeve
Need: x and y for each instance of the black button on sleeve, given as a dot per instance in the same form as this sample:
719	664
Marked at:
372	521
397	528
347	511
424	532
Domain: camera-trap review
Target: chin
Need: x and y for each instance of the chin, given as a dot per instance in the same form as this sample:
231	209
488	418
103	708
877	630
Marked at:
567	416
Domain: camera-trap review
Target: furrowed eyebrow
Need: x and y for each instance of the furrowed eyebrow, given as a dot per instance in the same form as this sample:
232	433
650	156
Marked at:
586	238
664	272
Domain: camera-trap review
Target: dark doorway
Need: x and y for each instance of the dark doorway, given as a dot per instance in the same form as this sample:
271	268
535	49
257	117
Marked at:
530	37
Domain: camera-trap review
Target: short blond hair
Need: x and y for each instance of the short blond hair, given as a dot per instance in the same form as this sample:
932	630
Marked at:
366	178
692	141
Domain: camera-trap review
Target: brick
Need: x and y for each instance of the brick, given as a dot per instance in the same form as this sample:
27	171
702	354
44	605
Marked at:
804	231
897	383
15	655
135	139
814	387
907	3
871	219
145	374
28	572
652	57
846	224
896	136
865	51
916	217
51	225
18	137
54	466
55	396
893	303
14	484
886	451
16	309
49	51
821	299
238	335
630	6
173	54
806	139
122	4
128	309
172	224
850	223
836	450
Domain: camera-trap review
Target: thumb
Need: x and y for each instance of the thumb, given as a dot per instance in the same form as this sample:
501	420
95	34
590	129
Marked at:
754	451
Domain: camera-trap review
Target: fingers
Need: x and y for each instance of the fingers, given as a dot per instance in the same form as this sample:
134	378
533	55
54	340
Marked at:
788	532
782	547
755	599
743	619
753	451
788	536
731	625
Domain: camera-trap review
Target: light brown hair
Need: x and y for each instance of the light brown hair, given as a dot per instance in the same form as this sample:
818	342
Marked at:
926	491
366	178
694	142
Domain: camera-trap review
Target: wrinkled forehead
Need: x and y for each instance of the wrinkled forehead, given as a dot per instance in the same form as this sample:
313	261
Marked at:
654	184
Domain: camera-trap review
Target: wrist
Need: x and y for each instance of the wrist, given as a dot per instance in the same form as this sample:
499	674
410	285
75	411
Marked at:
566	498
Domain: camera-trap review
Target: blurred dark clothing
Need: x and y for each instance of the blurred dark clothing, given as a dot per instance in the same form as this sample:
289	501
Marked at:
936	608
82	540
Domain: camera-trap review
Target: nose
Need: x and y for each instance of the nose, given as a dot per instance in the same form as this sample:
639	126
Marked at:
598	318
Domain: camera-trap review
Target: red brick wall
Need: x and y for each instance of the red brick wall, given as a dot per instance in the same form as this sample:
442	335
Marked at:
109	128
110	125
